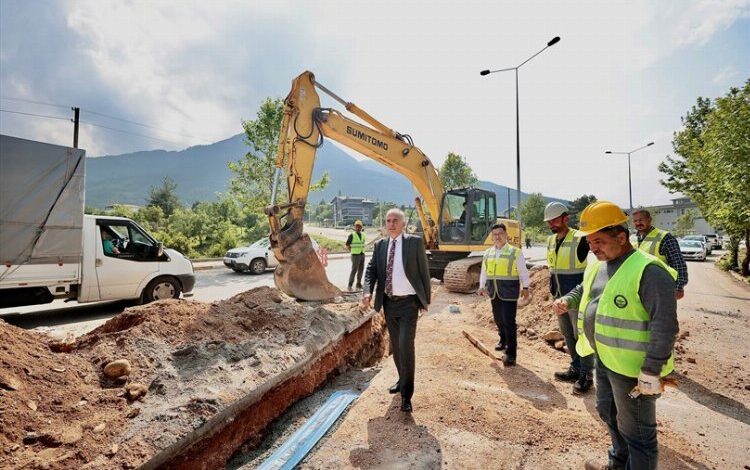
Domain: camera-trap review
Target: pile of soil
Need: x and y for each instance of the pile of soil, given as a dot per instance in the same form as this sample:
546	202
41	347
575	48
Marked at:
191	359
534	319
52	405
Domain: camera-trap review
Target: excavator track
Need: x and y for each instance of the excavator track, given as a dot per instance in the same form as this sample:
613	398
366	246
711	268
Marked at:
463	275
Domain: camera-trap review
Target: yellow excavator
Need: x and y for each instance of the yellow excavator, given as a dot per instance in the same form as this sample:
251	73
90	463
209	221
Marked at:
454	222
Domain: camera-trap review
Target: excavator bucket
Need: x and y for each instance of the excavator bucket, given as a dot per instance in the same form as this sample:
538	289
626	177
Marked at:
300	273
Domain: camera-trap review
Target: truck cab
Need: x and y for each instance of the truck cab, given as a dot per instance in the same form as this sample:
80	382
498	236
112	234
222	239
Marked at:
122	261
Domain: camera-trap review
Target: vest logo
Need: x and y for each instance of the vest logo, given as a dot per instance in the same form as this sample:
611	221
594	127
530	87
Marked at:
621	301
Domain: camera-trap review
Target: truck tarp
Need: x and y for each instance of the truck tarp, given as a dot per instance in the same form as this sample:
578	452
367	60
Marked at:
41	202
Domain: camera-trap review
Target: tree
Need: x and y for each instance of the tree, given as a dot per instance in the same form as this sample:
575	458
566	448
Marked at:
711	164
685	222
253	178
532	211
456	173
577	206
164	196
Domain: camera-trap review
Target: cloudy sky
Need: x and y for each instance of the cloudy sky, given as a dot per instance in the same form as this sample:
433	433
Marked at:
186	73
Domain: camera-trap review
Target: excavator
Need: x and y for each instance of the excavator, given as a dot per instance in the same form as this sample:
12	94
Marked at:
454	222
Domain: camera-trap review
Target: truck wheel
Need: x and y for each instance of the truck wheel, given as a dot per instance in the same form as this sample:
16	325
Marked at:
258	266
162	288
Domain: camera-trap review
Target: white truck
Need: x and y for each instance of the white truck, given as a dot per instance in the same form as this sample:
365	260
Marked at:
50	250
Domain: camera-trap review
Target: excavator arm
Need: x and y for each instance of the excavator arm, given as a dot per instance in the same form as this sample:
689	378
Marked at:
304	126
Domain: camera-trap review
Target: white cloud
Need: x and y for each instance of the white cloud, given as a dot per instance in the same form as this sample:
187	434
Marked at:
725	75
197	68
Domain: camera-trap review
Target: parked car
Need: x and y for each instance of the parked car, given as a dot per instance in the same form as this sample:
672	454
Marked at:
701	238
255	258
713	240
692	249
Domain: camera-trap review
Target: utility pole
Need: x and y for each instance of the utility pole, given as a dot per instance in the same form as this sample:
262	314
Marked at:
507	211
76	116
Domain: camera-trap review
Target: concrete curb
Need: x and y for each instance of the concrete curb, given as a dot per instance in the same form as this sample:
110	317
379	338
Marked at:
207	264
739	277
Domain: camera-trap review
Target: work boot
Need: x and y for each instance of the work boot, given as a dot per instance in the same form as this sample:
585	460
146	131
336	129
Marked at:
359	286
594	465
500	346
509	361
569	375
582	385
349	288
395	388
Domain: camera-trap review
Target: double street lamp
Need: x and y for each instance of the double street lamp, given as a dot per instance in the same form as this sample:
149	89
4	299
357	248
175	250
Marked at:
551	43
630	183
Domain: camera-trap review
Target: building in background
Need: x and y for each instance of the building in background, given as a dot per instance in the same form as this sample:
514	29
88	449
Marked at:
348	209
666	217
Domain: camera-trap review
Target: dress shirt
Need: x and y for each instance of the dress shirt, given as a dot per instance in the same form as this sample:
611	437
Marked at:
401	285
523	273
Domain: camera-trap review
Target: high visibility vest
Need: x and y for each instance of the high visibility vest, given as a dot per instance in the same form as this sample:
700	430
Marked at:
621	324
565	260
501	264
358	243
651	243
501	271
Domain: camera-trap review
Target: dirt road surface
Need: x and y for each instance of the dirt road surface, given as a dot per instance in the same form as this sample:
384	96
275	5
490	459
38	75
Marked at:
471	412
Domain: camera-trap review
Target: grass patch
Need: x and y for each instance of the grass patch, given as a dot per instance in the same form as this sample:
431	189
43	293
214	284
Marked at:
332	246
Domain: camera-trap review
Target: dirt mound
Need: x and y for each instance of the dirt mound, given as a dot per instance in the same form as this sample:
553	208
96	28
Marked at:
51	405
537	315
191	359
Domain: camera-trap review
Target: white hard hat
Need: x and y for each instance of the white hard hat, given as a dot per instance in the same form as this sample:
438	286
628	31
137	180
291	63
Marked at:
554	210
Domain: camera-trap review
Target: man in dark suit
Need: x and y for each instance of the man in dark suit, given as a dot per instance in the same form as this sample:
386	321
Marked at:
399	268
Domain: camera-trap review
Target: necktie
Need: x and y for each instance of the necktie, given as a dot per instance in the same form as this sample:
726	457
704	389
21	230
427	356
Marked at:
389	268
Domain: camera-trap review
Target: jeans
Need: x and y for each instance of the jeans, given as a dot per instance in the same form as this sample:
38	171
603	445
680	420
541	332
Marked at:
568	324
504	312
631	421
401	319
358	267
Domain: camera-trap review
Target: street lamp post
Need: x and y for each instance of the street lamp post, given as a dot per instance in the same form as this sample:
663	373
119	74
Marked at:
630	181
551	43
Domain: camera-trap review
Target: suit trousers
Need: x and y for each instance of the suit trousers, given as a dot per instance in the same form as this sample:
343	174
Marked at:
401	319
504	312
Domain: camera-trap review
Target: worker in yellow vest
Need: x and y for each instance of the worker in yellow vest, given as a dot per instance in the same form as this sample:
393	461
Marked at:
356	245
628	319
567	251
503	273
661	244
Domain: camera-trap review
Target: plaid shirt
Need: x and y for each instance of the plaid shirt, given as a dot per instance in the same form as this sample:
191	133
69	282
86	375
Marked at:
670	249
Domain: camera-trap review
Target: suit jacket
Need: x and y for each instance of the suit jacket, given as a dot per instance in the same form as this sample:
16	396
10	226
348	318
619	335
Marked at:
416	269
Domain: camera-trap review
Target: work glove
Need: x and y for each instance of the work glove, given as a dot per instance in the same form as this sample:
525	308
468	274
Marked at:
649	384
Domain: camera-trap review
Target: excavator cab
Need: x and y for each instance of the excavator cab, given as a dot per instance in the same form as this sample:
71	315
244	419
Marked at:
466	217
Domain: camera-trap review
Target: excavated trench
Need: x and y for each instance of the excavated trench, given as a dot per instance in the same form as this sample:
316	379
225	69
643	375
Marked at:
196	383
241	426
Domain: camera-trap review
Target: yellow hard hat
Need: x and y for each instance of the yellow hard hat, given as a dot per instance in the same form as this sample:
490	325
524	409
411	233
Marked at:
599	215
358	222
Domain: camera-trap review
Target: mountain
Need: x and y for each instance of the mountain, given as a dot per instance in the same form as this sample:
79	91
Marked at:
202	171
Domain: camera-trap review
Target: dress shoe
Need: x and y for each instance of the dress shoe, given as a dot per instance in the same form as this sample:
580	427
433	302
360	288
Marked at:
582	385
500	346
395	388
569	375
509	361
405	405
594	465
